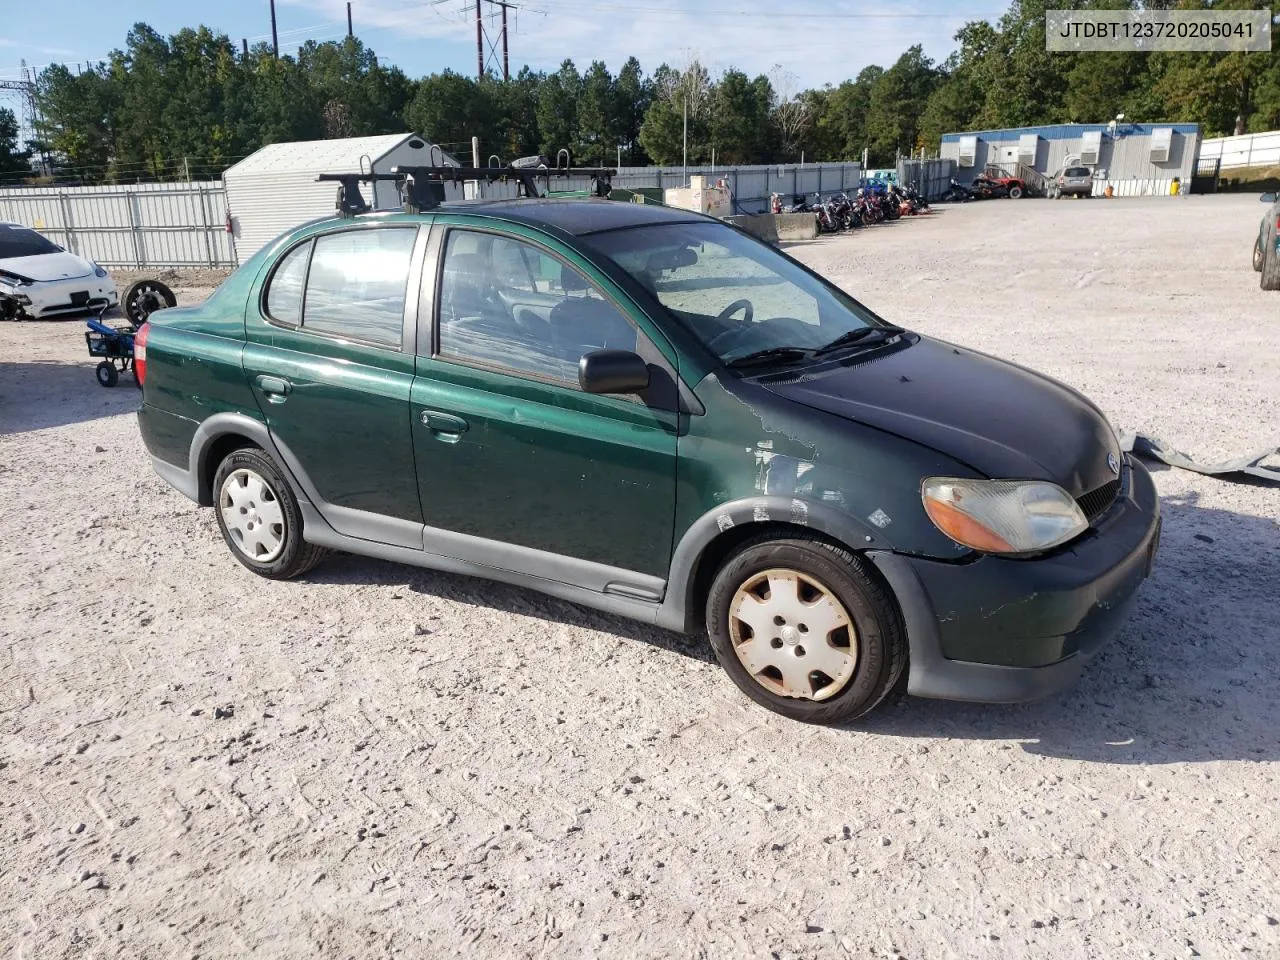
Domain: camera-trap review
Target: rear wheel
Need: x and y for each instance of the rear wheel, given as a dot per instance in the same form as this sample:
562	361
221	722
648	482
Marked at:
107	374
803	629
1270	276
1257	255
259	518
1015	192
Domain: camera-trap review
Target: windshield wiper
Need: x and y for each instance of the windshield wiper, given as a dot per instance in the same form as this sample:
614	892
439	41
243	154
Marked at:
770	355
868	336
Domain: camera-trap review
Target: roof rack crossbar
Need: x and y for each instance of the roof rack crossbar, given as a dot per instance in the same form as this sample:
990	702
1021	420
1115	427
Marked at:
422	186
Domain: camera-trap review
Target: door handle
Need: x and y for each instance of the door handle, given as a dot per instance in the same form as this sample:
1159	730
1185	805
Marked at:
274	387
444	425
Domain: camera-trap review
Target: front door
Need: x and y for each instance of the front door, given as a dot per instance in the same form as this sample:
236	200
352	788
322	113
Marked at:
510	450
331	365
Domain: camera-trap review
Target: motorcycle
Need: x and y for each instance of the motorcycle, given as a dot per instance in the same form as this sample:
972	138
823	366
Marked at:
957	192
914	199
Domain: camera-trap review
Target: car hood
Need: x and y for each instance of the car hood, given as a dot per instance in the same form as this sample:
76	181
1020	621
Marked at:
44	267
1001	419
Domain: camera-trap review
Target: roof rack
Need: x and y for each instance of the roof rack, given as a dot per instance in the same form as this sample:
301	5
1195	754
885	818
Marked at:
422	188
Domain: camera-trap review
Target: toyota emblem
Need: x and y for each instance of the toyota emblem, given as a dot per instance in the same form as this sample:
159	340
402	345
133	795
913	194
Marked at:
1113	463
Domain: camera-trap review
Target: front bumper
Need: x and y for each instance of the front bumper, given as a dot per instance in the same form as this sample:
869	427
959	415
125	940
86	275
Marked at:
1004	631
52	298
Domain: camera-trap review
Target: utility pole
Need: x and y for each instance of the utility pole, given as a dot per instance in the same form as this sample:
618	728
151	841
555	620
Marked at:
506	66
350	32
244	44
684	158
479	44
275	40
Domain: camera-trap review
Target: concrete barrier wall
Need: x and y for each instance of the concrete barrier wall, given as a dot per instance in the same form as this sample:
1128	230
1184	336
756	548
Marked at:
779	226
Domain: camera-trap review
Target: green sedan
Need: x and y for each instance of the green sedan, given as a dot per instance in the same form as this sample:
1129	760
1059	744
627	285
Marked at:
649	412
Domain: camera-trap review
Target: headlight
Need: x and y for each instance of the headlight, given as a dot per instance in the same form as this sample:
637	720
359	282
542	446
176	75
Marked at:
1002	516
98	271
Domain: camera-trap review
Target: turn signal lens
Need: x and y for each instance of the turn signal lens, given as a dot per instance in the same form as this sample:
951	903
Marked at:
1002	516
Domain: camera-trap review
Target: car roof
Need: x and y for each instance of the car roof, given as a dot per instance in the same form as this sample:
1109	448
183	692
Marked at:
576	215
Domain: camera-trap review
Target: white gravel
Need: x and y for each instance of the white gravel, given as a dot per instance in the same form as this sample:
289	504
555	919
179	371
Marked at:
384	761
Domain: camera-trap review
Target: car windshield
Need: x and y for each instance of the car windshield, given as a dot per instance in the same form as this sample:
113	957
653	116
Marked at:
738	296
1077	171
21	242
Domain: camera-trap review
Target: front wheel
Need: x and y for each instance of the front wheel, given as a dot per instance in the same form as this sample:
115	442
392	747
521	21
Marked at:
259	517
803	629
1257	255
107	374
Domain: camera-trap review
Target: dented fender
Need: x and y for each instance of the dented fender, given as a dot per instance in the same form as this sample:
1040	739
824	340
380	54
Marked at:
677	612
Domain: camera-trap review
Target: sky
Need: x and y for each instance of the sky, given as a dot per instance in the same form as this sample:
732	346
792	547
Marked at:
819	41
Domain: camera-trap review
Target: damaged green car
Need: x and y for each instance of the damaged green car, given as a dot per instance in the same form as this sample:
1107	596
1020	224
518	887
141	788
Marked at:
649	412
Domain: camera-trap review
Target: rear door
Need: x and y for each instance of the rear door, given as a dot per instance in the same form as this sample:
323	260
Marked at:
511	452
330	359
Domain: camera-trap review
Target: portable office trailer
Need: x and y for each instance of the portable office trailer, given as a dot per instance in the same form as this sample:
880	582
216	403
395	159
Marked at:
275	188
1133	158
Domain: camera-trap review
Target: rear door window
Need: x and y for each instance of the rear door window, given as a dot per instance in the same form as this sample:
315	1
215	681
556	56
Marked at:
284	294
356	284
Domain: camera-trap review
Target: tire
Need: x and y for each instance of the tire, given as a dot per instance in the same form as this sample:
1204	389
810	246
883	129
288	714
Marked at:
144	298
1269	276
1015	192
107	374
817	579
1257	255
265	530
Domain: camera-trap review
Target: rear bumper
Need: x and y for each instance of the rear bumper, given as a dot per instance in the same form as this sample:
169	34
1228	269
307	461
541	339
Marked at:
167	438
1005	631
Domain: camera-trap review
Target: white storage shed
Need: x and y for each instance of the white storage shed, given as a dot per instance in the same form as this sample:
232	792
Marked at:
275	189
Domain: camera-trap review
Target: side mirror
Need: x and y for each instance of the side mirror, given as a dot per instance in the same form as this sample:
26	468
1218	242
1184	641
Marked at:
612	371
1268	198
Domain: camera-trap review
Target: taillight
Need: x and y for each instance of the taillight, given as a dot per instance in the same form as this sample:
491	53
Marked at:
140	352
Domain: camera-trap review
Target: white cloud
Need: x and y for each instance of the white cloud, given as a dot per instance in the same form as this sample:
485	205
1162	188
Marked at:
821	41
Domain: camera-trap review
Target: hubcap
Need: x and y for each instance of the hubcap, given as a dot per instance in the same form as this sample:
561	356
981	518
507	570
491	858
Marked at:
252	513
793	636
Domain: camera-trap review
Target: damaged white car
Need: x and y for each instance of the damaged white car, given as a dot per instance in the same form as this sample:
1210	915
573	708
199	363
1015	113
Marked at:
39	279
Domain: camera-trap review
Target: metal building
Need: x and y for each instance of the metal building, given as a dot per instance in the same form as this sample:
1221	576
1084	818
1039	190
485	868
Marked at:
1134	159
275	189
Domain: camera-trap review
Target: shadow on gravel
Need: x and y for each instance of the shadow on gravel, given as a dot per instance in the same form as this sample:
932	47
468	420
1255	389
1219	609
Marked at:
347	568
1190	678
43	394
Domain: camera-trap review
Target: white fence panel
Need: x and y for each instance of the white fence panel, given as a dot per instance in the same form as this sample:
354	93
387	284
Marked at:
751	185
1247	150
134	225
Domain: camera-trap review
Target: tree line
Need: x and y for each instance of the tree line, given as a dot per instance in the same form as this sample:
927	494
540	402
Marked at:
191	104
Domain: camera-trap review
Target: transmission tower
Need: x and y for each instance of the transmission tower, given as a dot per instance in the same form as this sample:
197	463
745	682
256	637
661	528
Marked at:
483	55
23	92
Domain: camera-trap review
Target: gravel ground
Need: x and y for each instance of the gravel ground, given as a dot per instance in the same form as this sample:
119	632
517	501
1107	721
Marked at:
383	761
